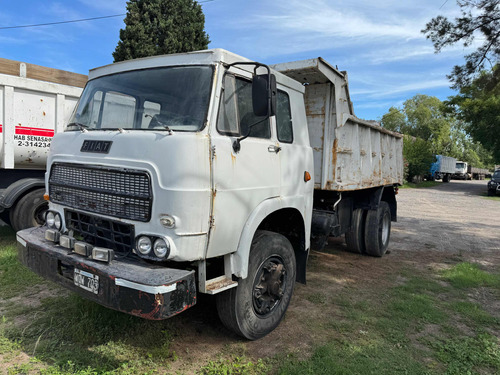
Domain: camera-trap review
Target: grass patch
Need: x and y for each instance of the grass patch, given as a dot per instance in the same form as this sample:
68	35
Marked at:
468	275
474	313
466	355
493	197
235	365
423	184
14	277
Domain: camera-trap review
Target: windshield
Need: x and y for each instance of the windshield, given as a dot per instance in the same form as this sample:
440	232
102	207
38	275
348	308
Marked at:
460	165
496	175
174	98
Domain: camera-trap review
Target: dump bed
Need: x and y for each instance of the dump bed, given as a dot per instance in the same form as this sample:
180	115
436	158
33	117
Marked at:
35	103
349	153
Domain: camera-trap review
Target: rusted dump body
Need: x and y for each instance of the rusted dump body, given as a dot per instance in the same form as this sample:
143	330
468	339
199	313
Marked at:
349	153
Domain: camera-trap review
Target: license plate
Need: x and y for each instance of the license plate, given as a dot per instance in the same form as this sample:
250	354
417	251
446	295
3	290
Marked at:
86	280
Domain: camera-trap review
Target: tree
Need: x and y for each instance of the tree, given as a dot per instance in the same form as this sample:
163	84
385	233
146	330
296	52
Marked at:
432	128
423	117
478	16
156	27
418	156
478	105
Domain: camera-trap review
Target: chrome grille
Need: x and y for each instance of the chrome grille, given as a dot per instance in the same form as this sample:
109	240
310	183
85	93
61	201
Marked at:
114	192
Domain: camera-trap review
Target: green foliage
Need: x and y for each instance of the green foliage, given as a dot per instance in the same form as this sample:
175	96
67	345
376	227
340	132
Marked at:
480	19
468	275
417	153
428	119
156	27
478	105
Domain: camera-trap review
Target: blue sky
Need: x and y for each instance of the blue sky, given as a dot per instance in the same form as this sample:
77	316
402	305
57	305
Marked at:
378	42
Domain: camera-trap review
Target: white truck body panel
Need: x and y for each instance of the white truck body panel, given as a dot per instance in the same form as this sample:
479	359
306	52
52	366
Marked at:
447	164
31	112
349	153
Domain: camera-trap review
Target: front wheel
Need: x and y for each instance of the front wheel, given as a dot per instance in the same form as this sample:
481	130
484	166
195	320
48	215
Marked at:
378	230
29	211
258	304
491	192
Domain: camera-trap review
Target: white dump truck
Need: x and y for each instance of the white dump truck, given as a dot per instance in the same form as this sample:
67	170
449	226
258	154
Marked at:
35	103
206	172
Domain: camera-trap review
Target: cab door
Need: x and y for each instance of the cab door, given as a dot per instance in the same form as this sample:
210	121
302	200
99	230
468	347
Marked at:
244	179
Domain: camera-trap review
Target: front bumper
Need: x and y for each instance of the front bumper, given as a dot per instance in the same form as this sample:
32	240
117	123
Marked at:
131	286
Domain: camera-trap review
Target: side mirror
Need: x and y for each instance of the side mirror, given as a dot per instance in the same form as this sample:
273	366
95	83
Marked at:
261	93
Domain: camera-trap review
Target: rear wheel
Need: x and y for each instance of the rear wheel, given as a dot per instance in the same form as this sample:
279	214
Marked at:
378	230
355	237
257	305
29	211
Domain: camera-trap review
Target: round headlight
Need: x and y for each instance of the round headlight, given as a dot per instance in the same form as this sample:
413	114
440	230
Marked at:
50	219
161	248
144	245
57	221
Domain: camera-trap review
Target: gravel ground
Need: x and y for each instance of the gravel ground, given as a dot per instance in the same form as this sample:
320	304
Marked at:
452	217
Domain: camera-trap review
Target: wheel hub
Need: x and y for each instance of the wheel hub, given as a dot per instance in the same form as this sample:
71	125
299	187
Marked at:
269	286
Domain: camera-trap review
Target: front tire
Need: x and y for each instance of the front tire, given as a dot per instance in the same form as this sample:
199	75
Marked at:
258	304
29	211
491	193
378	230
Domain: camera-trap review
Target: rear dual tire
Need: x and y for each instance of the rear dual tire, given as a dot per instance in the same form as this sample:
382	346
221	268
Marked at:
370	231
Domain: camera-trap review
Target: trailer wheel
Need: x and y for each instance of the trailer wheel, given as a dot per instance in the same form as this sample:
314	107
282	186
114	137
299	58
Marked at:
257	305
355	237
29	211
378	230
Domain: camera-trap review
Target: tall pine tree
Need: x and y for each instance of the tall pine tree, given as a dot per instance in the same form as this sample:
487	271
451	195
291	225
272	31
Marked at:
157	27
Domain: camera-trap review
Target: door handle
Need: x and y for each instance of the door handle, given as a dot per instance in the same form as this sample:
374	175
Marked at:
274	148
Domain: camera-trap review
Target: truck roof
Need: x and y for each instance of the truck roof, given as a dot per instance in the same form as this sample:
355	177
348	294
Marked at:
205	57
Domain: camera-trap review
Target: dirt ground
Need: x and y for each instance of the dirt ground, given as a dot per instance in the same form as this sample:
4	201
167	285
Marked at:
436	226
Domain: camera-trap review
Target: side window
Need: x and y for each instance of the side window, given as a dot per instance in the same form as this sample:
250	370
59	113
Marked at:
284	118
236	115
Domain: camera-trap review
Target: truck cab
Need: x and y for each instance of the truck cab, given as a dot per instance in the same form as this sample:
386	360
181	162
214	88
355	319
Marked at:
461	171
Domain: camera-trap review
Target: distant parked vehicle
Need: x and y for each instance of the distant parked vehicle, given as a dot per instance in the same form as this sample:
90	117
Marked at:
461	172
464	171
442	169
494	184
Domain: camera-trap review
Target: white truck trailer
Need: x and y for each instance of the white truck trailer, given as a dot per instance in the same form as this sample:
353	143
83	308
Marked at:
35	103
442	169
206	172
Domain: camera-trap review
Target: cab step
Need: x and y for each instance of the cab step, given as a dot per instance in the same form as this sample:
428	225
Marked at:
219	284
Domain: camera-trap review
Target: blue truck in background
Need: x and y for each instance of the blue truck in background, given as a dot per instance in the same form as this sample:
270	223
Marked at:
442	169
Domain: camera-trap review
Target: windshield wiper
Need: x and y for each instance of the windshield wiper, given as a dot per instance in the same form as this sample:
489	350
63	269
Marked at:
83	128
